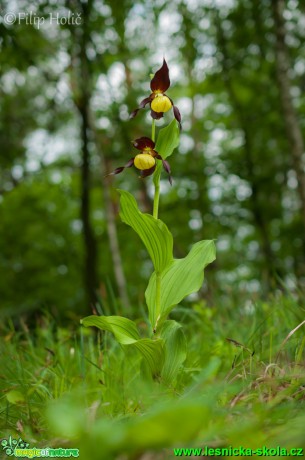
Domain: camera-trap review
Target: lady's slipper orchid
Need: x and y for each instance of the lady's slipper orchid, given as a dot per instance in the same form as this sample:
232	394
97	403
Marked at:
158	100
146	160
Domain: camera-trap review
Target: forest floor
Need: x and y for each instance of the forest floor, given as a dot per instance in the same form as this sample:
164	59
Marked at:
242	386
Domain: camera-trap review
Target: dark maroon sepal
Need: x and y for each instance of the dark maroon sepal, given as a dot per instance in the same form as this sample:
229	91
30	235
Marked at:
156	115
161	81
144	142
147	172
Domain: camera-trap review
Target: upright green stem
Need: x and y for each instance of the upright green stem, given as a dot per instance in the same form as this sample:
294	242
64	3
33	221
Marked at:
157	175
153	130
157	193
158	300
156	180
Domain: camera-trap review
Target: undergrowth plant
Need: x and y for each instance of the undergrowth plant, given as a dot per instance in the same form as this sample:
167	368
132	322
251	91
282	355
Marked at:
173	279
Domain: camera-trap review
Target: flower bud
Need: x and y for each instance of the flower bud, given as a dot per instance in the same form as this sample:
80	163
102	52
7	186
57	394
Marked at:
161	103
144	161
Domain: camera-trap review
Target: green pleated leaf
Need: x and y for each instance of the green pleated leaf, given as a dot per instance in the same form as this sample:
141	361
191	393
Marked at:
175	349
168	139
153	352
181	278
124	330
153	232
126	333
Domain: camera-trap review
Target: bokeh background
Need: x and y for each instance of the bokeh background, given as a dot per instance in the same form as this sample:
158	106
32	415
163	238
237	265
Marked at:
67	88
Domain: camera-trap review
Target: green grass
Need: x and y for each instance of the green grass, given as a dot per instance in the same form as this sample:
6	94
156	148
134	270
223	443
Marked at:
72	387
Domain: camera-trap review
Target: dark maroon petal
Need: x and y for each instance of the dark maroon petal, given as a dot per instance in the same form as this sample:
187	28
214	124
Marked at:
121	168
141	106
144	142
156	115
134	113
129	163
167	168
161	81
145	101
147	172
177	115
116	171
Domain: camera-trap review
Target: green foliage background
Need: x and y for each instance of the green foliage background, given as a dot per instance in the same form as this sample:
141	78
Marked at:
66	93
233	173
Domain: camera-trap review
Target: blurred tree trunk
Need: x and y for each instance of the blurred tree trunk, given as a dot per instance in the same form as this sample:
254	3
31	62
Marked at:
114	244
88	126
249	160
291	120
112	233
89	238
82	96
110	204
